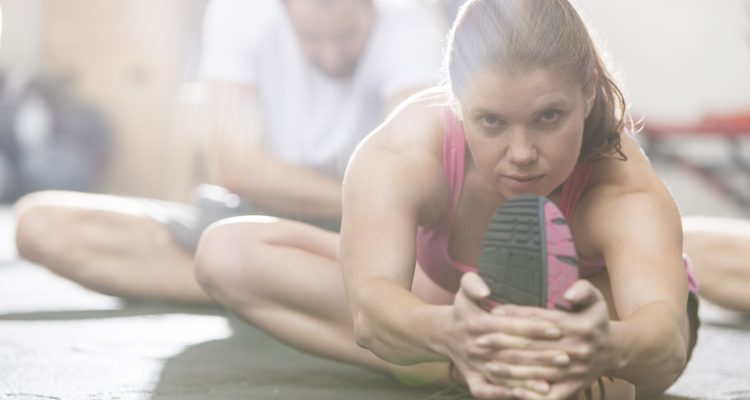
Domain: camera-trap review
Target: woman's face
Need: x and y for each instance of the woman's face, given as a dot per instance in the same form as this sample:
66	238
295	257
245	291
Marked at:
524	130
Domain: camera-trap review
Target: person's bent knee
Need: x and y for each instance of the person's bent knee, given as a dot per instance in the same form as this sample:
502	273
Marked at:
36	240
217	259
232	258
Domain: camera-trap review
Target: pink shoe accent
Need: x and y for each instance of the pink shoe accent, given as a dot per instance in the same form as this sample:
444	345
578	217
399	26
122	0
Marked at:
562	260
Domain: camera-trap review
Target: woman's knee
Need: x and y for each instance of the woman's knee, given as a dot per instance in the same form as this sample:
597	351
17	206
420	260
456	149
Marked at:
222	263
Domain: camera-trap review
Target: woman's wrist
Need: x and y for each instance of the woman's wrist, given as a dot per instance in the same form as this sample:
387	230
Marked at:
438	321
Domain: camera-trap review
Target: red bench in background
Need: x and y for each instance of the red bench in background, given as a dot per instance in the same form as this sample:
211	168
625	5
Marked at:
729	176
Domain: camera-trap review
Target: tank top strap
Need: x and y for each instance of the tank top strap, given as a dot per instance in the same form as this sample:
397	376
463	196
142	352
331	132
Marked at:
454	148
573	189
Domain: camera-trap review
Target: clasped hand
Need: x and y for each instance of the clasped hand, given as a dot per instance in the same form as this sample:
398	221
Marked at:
518	352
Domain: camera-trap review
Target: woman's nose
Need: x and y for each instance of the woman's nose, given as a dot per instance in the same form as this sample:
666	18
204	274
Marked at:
522	151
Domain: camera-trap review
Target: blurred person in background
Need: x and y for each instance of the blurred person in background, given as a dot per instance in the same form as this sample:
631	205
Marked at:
292	88
719	249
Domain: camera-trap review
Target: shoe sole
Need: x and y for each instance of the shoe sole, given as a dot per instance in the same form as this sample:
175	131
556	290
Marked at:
528	256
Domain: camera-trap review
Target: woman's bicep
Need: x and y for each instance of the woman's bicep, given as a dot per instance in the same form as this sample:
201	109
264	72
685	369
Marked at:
640	236
383	194
377	216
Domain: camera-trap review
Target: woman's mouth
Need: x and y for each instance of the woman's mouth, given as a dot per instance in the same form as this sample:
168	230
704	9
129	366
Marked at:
521	183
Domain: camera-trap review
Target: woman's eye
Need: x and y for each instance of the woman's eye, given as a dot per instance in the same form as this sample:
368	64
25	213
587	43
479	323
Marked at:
489	121
549	116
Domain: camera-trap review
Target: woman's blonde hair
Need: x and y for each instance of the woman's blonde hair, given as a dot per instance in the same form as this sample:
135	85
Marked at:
514	35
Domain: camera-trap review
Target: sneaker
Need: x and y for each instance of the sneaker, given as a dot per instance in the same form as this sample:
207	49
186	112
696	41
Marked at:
528	256
215	203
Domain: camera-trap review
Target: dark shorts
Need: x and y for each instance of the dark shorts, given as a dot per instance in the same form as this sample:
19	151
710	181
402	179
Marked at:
694	322
186	223
181	220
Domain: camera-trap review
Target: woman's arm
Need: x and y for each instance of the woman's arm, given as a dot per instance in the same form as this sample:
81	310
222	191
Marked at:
634	223
392	177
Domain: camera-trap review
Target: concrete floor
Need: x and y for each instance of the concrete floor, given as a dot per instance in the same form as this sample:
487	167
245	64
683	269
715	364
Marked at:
60	341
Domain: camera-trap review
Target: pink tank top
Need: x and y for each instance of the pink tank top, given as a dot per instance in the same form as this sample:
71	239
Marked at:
432	241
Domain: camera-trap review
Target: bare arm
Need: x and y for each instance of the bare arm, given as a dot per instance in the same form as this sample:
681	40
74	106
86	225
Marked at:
640	235
239	162
650	292
383	192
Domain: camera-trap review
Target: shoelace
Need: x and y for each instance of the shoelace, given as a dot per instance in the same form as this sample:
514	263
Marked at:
589	392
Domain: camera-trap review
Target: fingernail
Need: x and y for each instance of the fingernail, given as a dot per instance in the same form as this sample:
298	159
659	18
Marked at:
498	311
561	359
553	332
573	292
483	289
541	387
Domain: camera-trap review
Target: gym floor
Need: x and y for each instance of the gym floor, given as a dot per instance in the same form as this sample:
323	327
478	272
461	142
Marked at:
61	341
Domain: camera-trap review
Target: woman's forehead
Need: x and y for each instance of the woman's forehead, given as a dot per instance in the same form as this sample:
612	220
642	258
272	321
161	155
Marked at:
520	90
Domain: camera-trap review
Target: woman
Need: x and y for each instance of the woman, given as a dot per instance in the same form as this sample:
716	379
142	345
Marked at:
529	109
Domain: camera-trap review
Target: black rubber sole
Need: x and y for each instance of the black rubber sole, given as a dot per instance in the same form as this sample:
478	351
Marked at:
513	260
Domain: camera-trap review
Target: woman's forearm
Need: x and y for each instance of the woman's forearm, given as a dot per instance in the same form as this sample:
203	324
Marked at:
650	346
396	326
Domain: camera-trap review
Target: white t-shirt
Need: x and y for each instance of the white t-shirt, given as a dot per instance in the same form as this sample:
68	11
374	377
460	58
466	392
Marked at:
311	119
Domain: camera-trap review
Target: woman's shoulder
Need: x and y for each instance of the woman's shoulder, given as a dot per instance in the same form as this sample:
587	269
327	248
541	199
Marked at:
414	128
618	188
617	176
622	186
405	152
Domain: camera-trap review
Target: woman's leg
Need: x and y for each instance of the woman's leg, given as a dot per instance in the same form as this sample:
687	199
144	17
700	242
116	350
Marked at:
284	277
719	249
106	243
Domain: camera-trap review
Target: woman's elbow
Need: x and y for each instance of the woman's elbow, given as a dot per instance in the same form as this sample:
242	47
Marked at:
363	334
673	365
367	337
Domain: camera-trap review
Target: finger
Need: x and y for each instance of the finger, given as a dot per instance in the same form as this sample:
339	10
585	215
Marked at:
514	310
520	350
574	348
498	371
500	341
473	287
565	389
540	387
582	294
481	389
554	358
521	327
537	385
528	394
